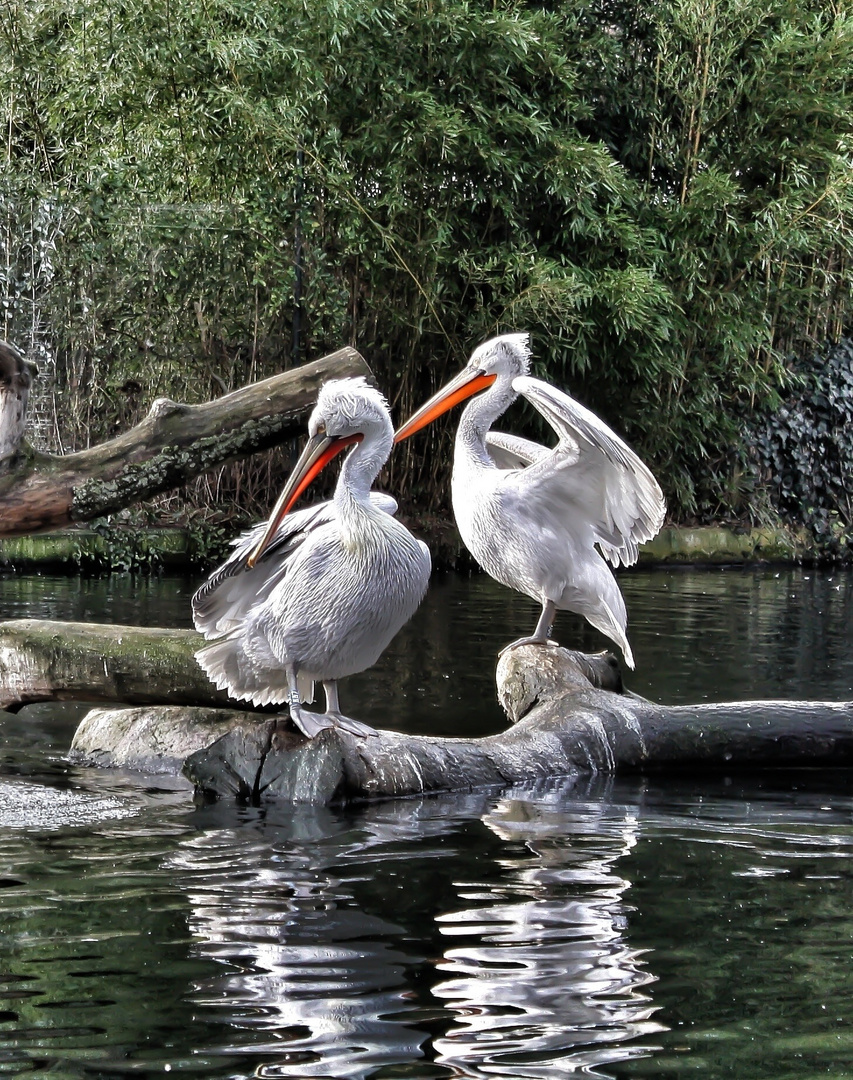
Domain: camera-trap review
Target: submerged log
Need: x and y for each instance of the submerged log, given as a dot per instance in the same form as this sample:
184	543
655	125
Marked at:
173	444
567	711
46	660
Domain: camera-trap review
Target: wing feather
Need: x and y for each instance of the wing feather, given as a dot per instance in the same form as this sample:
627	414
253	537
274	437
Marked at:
592	473
222	603
512	451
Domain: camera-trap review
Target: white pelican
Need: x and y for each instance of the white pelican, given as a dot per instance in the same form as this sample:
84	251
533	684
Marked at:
532	516
320	593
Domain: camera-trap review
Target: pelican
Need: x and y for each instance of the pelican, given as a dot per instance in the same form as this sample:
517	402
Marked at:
317	594
531	515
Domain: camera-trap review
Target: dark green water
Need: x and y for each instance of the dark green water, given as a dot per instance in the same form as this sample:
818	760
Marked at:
609	929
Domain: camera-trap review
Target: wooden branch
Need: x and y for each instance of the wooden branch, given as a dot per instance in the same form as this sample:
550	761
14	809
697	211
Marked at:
570	718
173	444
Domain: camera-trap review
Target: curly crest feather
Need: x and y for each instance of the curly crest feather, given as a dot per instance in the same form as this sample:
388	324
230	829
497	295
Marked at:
508	354
343	406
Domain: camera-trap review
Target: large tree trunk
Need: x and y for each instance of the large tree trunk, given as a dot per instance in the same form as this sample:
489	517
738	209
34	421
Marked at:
173	444
570	718
15	381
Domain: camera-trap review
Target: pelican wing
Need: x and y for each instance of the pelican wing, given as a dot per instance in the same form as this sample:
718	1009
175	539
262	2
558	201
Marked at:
513	452
222	603
593	472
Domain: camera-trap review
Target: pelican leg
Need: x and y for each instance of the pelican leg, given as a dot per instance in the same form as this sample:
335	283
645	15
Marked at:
542	634
309	723
333	711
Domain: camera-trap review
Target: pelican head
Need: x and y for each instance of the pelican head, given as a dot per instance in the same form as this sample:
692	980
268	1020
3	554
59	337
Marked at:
349	407
499	360
507	355
347	411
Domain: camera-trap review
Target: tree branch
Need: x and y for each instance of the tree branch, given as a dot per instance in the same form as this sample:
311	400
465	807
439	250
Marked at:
172	445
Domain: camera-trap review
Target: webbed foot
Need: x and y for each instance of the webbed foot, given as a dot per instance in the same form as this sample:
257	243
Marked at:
311	723
354	727
527	641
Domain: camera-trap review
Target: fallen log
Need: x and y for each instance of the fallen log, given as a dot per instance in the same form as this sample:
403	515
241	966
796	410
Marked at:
564	726
624	732
173	444
568	717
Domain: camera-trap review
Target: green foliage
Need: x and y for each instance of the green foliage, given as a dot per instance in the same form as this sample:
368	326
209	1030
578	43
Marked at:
208	543
660	193
804	448
120	544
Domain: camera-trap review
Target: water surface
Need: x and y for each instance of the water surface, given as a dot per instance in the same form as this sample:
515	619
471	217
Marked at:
605	928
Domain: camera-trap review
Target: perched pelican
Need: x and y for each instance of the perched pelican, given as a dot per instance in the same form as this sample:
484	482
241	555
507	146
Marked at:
532	516
318	594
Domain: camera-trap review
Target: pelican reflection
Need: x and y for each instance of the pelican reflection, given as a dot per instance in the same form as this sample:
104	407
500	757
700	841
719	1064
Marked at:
540	979
474	936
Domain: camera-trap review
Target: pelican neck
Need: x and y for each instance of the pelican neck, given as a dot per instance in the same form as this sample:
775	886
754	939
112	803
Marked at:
360	468
481	412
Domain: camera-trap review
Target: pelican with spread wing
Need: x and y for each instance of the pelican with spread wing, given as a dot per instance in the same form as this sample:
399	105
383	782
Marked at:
544	521
318	594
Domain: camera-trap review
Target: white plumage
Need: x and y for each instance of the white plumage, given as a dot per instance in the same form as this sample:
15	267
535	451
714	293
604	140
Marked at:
544	520
317	594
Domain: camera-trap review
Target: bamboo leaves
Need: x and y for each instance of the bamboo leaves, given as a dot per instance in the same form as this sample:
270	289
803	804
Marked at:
660	193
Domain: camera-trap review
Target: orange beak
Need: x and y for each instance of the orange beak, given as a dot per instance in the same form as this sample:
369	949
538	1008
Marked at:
318	452
465	385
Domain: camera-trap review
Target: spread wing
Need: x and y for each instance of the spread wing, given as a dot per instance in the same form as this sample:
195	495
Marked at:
590	473
222	603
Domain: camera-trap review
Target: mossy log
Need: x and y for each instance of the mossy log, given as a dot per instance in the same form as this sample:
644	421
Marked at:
569	717
47	660
173	444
